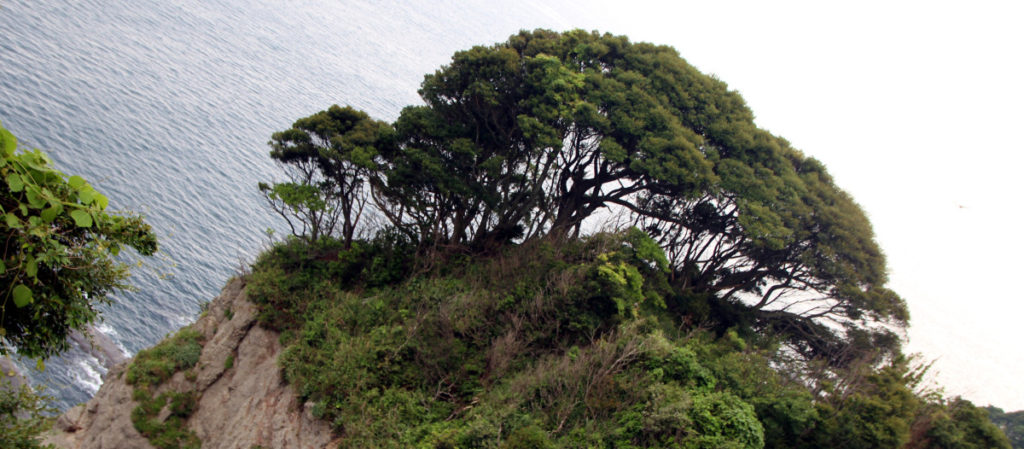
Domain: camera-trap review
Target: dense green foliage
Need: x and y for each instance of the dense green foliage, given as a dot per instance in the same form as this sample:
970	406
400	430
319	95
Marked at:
538	347
153	366
150	368
530	138
1012	424
956	424
57	249
557	346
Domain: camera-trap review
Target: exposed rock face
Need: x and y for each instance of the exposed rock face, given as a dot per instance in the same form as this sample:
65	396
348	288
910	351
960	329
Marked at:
243	403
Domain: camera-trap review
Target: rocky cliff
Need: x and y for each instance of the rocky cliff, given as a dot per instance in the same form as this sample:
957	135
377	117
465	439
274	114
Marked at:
241	399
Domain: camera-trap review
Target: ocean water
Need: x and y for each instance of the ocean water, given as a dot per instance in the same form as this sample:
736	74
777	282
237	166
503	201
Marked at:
166	107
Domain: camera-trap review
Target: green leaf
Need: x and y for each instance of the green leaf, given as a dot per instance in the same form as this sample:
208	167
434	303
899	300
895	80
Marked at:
34	198
40	365
15	182
22	295
76	182
8	143
49	214
102	200
3	267
82	218
87	195
12	220
31	267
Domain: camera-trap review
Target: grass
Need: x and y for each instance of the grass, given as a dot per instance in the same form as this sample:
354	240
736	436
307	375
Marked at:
149	369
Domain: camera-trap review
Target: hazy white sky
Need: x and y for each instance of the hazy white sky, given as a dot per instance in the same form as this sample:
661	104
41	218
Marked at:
916	109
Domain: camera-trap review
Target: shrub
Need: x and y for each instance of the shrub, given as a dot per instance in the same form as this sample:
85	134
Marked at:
155	365
24	415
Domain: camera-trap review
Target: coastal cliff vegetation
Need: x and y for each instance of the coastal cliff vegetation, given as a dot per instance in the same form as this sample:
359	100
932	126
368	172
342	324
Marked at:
580	241
58	263
576	241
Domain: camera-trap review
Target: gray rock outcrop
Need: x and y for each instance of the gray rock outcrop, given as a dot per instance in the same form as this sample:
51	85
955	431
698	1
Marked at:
243	400
99	345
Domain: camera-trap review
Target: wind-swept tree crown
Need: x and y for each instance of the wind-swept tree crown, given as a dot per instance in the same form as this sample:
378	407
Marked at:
531	137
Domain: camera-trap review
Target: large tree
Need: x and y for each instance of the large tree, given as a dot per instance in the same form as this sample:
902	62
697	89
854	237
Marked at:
57	251
531	137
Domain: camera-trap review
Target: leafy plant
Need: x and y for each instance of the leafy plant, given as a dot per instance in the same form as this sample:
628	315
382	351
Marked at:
24	414
57	249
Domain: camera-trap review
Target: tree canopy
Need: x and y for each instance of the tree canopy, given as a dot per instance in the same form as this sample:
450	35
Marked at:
532	137
58	245
1011	423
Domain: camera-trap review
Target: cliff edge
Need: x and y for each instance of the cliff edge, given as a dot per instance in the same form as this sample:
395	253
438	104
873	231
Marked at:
241	400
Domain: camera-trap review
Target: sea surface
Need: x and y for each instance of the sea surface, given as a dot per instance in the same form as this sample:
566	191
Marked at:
166	107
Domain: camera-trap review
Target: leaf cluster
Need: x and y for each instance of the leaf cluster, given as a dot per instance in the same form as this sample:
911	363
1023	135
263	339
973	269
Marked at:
24	414
58	246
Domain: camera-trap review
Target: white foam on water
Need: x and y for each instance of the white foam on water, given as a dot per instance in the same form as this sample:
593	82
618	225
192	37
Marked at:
90	373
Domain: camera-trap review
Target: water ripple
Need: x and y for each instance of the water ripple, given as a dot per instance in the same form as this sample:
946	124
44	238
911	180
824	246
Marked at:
166	107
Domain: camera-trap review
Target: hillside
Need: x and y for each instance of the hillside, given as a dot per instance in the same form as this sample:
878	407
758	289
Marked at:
575	345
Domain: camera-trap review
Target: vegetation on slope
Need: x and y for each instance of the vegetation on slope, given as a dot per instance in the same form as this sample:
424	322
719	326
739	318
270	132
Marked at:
570	345
741	305
533	137
540	346
149	369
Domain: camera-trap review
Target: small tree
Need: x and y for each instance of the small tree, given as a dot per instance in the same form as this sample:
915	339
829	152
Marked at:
311	210
327	157
57	251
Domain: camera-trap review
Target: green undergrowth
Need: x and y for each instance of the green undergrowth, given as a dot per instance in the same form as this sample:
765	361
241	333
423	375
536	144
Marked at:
581	344
151	368
537	347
